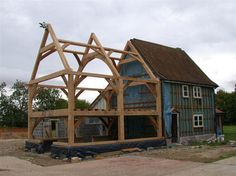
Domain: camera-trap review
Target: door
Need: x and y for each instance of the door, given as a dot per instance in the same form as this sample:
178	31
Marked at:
174	127
54	128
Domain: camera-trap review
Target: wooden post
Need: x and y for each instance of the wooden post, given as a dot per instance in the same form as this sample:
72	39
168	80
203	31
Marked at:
158	108
120	109
30	101
71	107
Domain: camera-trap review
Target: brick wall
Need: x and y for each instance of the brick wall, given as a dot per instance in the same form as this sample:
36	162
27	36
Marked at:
13	133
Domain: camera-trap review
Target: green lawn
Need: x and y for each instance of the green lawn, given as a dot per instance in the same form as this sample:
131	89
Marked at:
230	132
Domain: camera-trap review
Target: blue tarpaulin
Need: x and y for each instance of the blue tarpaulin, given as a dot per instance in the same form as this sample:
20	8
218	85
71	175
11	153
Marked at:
167	109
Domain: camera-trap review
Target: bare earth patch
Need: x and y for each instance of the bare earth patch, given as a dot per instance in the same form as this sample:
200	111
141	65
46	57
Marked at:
204	153
16	147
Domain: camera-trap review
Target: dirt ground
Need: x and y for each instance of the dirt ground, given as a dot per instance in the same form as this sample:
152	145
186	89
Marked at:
202	153
176	161
16	148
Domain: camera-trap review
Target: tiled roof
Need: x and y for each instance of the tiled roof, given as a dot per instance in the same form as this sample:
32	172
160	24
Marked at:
171	64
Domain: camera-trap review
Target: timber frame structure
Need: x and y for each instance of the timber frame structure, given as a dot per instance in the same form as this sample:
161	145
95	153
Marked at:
72	79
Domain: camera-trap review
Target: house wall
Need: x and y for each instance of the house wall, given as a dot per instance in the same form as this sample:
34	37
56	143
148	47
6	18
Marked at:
136	96
187	107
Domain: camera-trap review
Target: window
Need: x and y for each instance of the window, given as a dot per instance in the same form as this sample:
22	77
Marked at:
185	91
197	120
197	92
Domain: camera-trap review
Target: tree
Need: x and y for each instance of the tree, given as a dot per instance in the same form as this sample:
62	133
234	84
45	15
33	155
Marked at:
227	103
48	99
4	103
13	107
82	104
14	103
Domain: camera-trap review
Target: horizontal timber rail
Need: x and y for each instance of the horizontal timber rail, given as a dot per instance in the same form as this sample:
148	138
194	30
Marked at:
107	142
78	88
96	47
87	113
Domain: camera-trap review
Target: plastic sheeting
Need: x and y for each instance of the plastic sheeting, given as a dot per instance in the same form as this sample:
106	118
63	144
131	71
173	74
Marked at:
167	109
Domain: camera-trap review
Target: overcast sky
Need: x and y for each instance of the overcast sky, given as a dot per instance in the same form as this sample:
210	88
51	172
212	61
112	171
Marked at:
205	29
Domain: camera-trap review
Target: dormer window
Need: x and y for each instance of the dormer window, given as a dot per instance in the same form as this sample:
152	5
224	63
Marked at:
185	91
197	92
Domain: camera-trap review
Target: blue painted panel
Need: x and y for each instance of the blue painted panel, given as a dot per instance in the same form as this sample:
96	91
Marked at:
167	108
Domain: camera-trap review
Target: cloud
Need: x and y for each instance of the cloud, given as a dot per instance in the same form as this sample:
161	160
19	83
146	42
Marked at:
206	30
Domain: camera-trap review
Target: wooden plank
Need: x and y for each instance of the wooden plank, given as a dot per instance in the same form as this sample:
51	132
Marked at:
48	77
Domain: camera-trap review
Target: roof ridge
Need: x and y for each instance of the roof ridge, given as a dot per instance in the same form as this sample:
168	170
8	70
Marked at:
177	48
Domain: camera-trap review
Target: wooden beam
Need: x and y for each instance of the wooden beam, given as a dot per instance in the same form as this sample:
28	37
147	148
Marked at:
96	113
48	47
30	111
125	61
96	75
64	91
50	113
77	59
58	47
120	108
71	107
64	79
107	60
139	80
36	65
73	52
107	142
79	121
48	77
79	93
159	109
94	46
78	80
47	54
148	70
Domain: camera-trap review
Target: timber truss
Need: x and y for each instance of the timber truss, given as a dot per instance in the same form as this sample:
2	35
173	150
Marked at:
72	79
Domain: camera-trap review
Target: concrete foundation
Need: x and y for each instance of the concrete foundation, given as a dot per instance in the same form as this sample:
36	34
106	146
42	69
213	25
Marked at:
197	138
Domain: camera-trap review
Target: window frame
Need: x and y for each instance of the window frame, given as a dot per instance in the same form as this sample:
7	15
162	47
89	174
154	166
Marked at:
187	91
198	120
197	92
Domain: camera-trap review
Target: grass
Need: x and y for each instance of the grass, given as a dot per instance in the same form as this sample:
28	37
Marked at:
230	132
